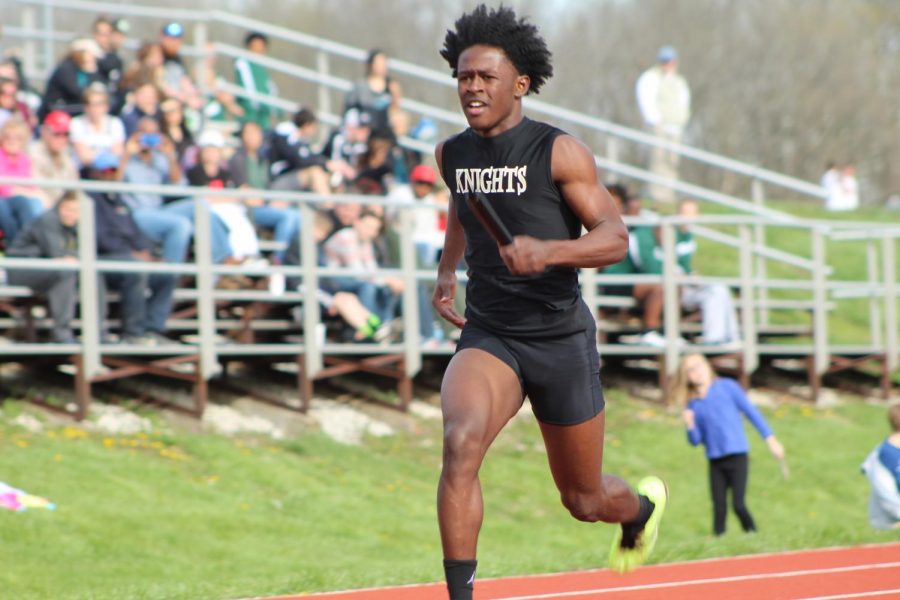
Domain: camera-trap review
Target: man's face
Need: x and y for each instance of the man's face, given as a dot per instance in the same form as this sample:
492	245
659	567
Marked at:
689	209
489	89
210	155
96	106
171	45
56	142
257	46
68	213
8	93
252	137
103	36
146	98
422	189
347	212
367	228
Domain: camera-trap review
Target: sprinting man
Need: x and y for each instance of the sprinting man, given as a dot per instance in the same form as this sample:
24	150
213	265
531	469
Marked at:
526	330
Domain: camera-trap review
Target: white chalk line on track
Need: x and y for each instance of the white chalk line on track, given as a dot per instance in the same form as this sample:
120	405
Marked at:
693	582
857	595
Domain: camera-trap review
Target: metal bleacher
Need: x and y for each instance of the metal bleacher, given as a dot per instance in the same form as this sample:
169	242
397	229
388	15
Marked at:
40	32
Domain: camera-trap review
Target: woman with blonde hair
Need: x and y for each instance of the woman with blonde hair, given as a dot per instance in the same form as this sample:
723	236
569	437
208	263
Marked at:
713	407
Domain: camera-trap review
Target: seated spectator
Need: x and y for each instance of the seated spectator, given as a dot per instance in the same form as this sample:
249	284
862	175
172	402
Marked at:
147	69
427	236
19	204
210	172
364	325
150	159
377	163
351	141
295	165
649	296
11	104
718	314
353	248
120	238
97	133
72	77
250	170
377	94
144	103
254	78
51	156
177	81
882	468
221	106
174	127
11	68
53	235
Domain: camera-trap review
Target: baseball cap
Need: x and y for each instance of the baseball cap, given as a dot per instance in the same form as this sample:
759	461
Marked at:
87	45
423	174
173	29
122	25
357	118
58	121
211	138
105	161
667	54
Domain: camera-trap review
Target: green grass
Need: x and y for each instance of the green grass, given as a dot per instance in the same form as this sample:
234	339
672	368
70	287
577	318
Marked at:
201	516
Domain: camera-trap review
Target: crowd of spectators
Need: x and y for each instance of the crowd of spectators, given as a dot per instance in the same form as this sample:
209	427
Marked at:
157	118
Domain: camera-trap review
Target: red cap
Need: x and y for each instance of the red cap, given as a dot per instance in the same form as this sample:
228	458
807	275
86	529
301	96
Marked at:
423	174
58	121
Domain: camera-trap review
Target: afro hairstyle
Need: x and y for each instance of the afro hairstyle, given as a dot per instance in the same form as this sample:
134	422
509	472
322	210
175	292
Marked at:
500	28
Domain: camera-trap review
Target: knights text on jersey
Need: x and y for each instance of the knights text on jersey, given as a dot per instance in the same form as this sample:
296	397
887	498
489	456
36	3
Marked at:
513	170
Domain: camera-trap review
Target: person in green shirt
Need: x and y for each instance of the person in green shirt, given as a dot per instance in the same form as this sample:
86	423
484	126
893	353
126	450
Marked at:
254	78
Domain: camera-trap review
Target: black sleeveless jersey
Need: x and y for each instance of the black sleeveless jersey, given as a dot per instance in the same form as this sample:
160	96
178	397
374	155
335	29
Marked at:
513	170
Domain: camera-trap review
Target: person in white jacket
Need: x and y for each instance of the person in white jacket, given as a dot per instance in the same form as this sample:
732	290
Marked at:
664	99
882	468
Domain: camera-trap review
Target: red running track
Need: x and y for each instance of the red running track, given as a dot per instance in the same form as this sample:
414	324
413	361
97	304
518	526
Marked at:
829	574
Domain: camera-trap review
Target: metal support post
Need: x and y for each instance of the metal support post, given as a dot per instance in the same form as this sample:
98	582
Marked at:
875	332
748	325
821	358
87	290
29	50
206	304
324	68
890	304
312	362
411	339
671	300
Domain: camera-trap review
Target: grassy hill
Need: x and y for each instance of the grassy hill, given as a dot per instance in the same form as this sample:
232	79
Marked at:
178	515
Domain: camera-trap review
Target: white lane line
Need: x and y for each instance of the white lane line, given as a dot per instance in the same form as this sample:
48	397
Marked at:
858	595
675	584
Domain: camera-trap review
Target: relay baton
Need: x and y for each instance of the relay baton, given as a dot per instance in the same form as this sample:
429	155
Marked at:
489	219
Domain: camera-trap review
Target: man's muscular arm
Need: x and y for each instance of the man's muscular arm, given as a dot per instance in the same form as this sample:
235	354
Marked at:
575	173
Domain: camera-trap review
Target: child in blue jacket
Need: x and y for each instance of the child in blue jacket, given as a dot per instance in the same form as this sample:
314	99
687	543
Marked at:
714	406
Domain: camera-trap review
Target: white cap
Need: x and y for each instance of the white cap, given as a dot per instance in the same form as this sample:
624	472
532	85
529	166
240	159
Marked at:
87	45
211	137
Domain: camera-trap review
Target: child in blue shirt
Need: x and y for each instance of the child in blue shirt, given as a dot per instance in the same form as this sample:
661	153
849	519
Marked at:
714	407
882	467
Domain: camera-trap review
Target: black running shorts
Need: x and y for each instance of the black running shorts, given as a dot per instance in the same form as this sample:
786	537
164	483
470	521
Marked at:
560	375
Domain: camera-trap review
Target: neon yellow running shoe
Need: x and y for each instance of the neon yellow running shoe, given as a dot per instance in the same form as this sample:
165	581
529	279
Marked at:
627	559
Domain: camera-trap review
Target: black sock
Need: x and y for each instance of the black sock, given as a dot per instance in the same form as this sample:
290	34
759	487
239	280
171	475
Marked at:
631	531
460	576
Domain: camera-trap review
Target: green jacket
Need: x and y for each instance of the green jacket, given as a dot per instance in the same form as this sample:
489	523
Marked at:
646	254
255	78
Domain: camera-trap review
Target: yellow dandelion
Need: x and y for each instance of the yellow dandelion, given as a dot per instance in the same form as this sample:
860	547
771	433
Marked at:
21	443
57	457
109	442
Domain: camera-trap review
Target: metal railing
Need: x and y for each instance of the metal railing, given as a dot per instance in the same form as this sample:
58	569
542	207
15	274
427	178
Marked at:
879	285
